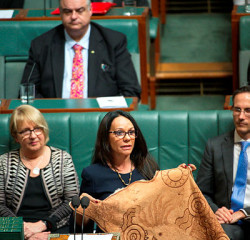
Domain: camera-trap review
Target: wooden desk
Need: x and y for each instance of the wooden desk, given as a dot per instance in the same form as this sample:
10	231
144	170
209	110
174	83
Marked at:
237	13
141	15
64	105
116	236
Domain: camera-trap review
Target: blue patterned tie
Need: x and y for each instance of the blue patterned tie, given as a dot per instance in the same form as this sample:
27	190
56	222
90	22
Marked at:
239	190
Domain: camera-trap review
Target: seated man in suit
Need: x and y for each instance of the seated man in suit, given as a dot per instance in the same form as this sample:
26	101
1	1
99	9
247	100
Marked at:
79	59
224	175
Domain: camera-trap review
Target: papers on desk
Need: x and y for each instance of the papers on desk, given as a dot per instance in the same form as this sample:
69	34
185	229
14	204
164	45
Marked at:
92	237
6	13
112	102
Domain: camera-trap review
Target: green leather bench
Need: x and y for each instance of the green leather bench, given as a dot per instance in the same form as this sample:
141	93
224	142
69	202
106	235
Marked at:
38	4
244	49
15	43
172	137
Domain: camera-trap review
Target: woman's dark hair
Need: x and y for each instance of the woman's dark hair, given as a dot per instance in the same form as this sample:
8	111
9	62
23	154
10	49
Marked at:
139	156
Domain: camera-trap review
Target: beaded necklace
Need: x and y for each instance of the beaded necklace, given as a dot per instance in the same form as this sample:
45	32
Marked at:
130	177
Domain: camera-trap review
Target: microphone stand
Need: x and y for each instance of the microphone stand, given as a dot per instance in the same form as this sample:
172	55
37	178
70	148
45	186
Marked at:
44	7
75	203
83	222
75	225
27	89
28	81
84	203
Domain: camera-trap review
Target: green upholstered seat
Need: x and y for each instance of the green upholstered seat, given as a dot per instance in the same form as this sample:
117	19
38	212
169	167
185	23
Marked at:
16	37
39	4
15	42
244	49
173	137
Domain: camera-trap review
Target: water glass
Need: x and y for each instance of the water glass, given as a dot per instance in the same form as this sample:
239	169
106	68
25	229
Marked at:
27	92
129	7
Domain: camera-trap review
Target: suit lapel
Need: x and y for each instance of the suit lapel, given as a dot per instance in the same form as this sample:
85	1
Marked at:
94	59
228	153
57	53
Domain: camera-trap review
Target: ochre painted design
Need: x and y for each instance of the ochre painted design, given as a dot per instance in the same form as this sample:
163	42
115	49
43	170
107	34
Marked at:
168	207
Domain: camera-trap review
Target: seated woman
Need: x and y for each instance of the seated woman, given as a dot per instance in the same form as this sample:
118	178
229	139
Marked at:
37	181
120	157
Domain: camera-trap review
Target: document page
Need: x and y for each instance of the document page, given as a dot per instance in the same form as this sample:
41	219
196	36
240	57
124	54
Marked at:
92	237
6	13
112	102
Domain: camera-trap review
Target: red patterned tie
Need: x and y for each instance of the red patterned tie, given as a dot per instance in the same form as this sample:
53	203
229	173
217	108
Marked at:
77	73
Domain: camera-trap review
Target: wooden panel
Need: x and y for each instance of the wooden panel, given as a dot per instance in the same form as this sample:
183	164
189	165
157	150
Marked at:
193	70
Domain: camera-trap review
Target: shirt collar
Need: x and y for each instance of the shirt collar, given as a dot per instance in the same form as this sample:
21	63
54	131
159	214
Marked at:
84	42
238	139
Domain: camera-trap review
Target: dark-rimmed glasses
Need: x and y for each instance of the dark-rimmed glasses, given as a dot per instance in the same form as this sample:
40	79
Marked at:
27	132
121	134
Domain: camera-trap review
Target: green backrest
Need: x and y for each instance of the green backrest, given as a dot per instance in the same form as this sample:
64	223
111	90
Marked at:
16	37
15	40
244	49
39	4
173	137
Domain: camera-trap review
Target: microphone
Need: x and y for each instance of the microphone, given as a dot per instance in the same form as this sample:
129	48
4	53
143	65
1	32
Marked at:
28	81
84	204
44	8
75	203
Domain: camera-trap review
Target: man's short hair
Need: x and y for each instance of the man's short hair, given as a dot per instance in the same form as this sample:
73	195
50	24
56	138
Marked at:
244	89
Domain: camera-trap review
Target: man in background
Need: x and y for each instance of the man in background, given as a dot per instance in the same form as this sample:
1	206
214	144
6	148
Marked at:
80	59
224	174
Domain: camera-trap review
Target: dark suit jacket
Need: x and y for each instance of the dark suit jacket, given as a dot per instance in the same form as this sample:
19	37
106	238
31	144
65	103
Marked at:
105	47
215	176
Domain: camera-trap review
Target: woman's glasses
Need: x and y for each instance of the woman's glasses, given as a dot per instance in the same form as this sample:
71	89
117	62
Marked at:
121	134
27	132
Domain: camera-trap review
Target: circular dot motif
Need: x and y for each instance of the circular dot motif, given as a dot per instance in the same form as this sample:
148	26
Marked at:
197	205
134	232
174	178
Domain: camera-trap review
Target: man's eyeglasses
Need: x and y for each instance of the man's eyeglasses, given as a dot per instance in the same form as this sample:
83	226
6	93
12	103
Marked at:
237	111
121	134
27	132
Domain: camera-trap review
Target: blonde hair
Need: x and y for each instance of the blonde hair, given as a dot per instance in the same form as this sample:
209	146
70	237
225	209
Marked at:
29	114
